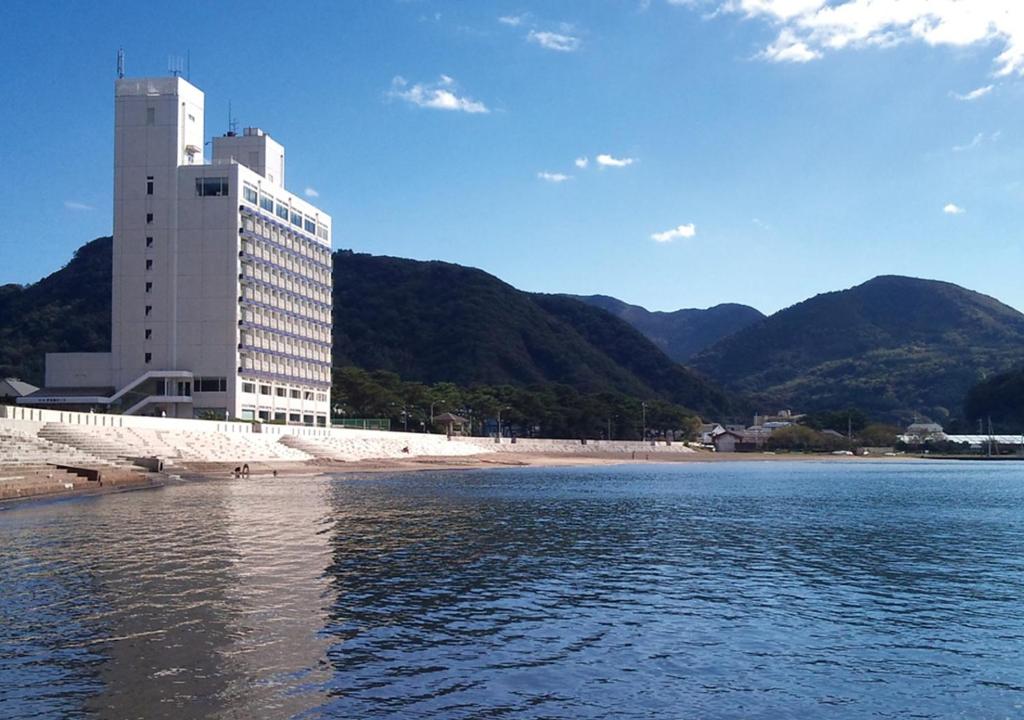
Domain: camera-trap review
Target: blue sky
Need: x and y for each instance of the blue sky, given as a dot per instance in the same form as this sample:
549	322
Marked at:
754	151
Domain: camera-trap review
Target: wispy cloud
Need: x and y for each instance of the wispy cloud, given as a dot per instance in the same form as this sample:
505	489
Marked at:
973	94
75	205
810	29
512	20
441	95
559	42
312	192
555	177
953	209
605	160
975	142
581	162
681	231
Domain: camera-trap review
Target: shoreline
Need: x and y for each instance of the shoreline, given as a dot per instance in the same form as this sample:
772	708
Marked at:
208	472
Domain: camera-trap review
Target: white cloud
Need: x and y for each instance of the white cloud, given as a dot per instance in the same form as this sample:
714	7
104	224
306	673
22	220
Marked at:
554	177
311	192
554	41
512	20
606	160
581	162
975	142
787	48
75	205
682	231
441	95
951	209
808	29
973	94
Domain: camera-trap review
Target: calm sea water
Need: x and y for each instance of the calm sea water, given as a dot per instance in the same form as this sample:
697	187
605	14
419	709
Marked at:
738	590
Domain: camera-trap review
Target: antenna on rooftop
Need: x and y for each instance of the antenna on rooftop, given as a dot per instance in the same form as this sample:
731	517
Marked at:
232	123
175	65
120	63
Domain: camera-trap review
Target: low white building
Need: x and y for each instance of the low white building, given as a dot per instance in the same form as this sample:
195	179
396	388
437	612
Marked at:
221	298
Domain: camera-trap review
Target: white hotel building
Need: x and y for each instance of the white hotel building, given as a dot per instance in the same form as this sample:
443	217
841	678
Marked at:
221	277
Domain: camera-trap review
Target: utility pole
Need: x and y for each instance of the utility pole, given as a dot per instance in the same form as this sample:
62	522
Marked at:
990	438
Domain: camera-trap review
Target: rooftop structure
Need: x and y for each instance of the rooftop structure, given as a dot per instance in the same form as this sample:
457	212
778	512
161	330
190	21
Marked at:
221	297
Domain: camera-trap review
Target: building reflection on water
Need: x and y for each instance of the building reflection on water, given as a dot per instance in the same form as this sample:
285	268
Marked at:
169	604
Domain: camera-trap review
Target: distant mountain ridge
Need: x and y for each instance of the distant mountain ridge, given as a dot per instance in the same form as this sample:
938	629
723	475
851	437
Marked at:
891	346
681	334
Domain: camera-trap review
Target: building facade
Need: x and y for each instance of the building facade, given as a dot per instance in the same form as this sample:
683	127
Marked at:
221	298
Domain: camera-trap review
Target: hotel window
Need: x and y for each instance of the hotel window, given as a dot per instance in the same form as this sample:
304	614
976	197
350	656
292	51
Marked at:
307	419
279	416
149	185
149	264
212	186
282	211
295	394
310	225
149	287
149	242
211	384
149	309
149	358
248	387
321	232
294	417
149	218
264	389
149	333
267	203
282	392
249	193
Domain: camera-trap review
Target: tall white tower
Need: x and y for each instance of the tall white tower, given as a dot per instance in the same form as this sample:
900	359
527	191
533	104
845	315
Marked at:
158	127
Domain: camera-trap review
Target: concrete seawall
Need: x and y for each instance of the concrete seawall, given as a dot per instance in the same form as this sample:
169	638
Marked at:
34	442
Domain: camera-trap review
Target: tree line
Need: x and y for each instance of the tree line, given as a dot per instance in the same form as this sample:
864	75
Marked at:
547	410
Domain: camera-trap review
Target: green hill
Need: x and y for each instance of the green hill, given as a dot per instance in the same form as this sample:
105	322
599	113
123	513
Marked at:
891	346
999	398
681	334
426	321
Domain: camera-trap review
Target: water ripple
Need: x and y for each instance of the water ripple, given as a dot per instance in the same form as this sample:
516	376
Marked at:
724	591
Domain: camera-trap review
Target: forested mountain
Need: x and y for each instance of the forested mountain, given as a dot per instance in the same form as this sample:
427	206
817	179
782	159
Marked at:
681	333
892	346
64	312
426	321
435	321
1000	399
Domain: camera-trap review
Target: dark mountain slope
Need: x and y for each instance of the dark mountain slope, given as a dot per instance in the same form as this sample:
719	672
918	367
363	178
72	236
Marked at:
434	321
67	311
681	334
891	346
1000	399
